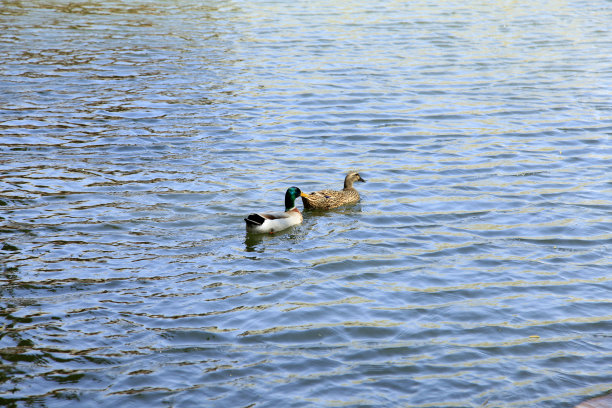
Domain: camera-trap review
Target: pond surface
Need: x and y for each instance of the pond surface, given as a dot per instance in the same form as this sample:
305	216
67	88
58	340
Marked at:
136	135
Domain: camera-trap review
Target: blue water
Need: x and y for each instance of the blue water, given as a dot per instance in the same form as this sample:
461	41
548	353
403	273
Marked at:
135	136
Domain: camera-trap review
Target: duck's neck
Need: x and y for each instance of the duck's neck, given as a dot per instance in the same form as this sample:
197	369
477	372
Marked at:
290	204
348	183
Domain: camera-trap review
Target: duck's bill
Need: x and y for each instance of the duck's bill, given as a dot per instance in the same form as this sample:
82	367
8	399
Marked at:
304	195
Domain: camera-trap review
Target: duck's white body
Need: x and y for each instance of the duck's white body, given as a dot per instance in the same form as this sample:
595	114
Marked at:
273	222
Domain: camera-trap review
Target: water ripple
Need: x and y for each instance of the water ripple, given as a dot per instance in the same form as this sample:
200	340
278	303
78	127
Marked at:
135	137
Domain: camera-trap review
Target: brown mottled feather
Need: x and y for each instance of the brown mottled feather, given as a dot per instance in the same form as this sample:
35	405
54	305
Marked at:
328	199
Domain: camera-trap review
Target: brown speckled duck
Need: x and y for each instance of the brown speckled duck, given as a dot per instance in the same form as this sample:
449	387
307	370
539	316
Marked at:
328	199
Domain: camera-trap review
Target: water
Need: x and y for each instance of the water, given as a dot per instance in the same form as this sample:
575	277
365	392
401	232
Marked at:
135	136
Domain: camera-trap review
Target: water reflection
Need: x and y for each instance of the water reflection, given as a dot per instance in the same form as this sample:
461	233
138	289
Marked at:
257	242
253	242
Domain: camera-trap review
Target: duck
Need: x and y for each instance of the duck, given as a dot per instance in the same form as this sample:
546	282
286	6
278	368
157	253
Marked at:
328	199
277	221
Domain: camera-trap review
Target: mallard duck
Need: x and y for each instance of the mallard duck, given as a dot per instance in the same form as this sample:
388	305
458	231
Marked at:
277	221
327	199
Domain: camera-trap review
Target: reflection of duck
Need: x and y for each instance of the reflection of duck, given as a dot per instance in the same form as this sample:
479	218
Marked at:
327	199
277	221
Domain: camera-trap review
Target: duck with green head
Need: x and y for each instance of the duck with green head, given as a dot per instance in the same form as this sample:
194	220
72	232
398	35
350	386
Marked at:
277	221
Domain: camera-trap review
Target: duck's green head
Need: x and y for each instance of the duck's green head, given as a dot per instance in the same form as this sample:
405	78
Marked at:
290	196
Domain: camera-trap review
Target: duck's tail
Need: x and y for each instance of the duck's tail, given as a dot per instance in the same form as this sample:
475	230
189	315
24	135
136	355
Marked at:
254	219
